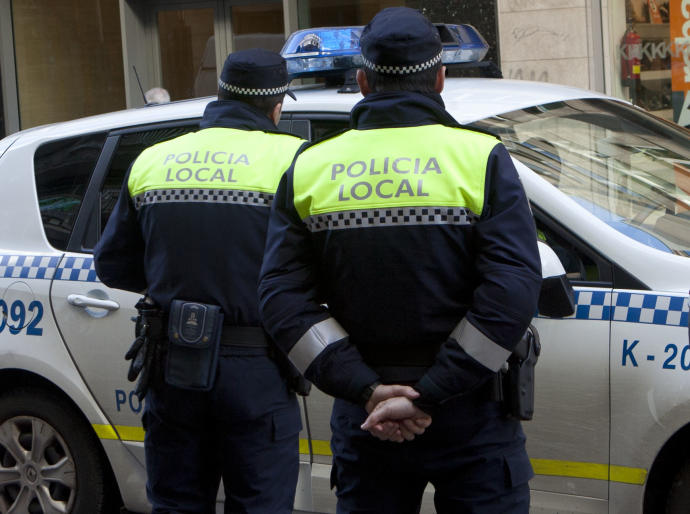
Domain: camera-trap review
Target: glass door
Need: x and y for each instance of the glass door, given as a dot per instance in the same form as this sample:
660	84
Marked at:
187	52
258	25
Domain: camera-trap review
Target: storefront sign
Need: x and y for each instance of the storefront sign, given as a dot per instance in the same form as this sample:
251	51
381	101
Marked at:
679	15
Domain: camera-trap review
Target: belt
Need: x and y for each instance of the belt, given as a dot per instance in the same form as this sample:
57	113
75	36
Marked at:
251	337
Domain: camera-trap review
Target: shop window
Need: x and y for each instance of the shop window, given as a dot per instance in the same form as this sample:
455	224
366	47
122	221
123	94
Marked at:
188	52
68	58
653	56
258	25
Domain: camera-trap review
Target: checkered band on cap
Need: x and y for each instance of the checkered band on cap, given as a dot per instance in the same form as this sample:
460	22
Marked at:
252	92
391	217
402	70
234	196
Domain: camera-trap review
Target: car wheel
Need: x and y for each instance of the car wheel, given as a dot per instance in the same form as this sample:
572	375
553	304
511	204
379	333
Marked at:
50	461
679	494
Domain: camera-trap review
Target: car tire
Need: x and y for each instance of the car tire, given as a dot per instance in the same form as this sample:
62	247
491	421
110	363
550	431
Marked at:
679	495
50	460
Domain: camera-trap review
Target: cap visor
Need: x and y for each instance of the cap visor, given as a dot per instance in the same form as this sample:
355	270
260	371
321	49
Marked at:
291	94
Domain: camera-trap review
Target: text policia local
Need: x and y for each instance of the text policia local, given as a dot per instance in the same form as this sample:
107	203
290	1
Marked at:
361	190
384	188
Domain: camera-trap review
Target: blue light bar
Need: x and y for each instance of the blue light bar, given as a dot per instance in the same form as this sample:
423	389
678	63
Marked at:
332	50
461	43
322	51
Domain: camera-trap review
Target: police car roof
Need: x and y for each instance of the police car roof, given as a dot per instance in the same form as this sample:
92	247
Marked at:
467	99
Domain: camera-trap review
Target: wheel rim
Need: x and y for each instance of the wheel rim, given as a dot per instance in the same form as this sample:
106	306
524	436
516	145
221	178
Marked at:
37	471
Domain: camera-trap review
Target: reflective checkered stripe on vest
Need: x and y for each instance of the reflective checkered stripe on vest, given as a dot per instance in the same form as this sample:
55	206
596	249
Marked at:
427	175
218	165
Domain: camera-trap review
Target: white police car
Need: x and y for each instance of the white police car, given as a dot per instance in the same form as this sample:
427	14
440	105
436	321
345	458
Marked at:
610	191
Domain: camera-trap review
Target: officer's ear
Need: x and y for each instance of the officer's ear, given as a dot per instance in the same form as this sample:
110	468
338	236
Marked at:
440	79
362	82
275	115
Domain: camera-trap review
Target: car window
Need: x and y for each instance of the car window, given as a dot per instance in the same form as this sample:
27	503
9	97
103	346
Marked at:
63	169
128	148
579	264
299	128
626	167
313	127
325	127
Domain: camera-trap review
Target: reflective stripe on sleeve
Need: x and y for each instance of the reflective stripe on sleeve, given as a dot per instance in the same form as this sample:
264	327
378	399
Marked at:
314	341
478	346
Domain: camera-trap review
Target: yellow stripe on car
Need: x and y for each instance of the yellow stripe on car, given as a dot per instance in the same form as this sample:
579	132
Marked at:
548	467
105	431
591	470
130	433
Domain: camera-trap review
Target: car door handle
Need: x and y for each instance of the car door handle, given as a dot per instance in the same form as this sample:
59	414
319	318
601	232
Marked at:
80	300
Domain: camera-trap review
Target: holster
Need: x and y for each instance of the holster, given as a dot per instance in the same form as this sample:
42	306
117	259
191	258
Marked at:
516	383
146	349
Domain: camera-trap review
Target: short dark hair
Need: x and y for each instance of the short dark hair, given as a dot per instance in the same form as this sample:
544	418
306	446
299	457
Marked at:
421	82
265	104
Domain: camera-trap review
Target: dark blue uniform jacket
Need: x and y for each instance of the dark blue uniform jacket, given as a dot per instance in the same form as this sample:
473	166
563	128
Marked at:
395	289
205	252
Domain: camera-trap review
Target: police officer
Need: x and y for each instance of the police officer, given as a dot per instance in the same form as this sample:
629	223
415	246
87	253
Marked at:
190	225
401	269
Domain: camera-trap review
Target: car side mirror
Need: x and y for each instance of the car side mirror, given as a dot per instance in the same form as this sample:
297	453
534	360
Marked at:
557	298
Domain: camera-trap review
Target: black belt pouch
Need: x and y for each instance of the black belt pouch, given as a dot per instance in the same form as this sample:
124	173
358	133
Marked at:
194	333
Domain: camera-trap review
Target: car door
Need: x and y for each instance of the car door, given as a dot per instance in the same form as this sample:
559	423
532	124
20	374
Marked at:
650	379
95	320
568	438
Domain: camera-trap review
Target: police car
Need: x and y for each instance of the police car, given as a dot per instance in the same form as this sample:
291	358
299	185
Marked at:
609	186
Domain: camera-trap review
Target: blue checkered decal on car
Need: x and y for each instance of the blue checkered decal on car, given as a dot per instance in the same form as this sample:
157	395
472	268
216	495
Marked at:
80	269
651	308
646	308
28	266
592	305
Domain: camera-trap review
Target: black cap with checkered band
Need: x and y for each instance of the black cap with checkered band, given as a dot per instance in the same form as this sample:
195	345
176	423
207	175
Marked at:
401	41
255	72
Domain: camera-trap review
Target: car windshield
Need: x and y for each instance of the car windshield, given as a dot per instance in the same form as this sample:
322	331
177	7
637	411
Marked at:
626	167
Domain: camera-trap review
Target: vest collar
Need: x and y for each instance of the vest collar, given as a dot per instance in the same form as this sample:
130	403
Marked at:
236	115
400	109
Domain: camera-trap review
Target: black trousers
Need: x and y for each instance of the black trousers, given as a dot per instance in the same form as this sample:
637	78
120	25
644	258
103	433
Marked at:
244	430
473	456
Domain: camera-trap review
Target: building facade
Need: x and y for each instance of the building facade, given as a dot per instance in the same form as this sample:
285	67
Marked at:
66	59
638	50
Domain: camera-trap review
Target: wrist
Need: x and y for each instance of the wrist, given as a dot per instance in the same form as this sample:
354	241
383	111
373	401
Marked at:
428	399
367	393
